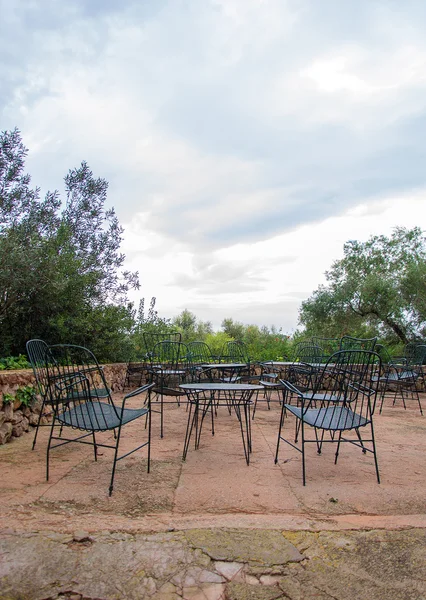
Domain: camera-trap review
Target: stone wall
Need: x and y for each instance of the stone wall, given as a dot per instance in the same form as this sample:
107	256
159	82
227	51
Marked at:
16	419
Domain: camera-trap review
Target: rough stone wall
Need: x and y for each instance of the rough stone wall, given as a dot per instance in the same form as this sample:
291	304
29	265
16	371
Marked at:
16	418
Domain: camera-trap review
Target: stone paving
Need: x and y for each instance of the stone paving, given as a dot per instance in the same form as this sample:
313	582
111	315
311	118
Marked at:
213	527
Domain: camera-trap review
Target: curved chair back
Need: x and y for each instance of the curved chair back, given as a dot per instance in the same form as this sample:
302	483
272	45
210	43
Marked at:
308	353
199	353
150	339
235	351
37	352
348	342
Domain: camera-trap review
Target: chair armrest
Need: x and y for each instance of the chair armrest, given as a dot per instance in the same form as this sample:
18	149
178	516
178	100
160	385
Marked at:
137	392
291	388
65	385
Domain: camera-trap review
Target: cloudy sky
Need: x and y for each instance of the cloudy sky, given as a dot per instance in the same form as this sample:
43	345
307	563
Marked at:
244	140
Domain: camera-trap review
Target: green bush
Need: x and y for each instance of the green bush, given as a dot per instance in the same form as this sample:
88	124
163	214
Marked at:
26	395
12	363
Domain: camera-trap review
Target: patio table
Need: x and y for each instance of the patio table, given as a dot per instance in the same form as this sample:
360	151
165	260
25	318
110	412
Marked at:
203	397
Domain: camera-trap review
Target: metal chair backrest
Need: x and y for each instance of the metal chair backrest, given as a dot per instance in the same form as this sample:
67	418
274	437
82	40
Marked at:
77	379
348	379
417	356
150	339
384	354
199	353
308	353
235	351
169	354
37	351
348	342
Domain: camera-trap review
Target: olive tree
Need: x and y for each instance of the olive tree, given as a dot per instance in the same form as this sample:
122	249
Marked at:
378	286
61	270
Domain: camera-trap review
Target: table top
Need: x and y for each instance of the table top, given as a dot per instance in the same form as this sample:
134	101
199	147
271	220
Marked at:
225	366
277	363
220	386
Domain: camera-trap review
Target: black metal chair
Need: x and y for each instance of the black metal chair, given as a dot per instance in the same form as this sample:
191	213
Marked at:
199	355
137	368
136	373
36	351
236	352
308	352
78	387
342	400
169	368
404	379
152	338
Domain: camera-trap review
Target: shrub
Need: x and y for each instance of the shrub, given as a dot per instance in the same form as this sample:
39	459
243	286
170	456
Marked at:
12	363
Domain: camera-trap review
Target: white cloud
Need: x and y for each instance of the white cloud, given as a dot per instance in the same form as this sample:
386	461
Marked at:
264	282
244	140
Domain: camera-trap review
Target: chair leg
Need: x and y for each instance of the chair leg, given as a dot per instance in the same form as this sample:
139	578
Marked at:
418	399
302	428
338	448
189	427
364	450
382	397
161	414
48	448
149	431
95	447
375	453
111	486
255	403
244	434
38	424
248	423
320	441
282	417
212	416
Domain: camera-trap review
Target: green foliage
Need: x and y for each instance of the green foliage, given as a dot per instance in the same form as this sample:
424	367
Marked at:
13	363
68	283
262	343
378	288
266	344
8	398
25	394
216	341
234	329
149	322
190	328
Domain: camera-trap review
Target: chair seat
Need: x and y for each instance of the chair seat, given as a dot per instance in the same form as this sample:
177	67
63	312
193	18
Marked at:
403	376
271	384
167	391
98	416
336	418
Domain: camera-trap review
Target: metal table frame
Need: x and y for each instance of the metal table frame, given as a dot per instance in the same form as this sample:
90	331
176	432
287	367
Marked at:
203	397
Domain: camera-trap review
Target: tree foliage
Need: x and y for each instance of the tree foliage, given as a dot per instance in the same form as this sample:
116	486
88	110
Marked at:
191	328
61	274
378	287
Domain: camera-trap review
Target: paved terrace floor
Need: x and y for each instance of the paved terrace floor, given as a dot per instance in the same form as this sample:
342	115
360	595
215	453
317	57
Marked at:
213	527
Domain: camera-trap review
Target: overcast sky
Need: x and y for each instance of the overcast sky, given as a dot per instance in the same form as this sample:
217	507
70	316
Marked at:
244	140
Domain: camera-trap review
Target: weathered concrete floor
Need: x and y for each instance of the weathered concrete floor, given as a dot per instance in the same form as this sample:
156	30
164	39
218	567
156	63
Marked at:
215	564
213	527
